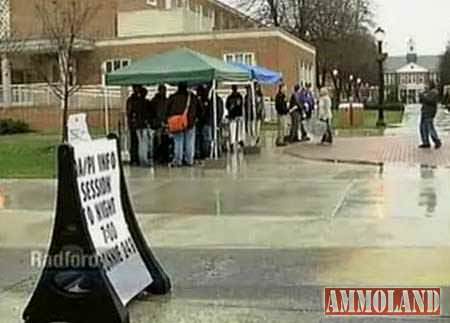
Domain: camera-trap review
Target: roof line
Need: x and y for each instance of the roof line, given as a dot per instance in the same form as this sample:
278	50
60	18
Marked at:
225	34
235	11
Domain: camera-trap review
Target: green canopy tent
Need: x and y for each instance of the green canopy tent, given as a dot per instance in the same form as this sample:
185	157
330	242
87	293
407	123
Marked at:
180	65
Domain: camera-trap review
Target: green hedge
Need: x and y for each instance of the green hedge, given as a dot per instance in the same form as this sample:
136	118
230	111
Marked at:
10	127
386	106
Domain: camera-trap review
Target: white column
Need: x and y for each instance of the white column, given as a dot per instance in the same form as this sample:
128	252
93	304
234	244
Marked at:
6	81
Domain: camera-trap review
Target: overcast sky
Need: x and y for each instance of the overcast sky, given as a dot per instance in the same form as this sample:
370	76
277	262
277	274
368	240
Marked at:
427	21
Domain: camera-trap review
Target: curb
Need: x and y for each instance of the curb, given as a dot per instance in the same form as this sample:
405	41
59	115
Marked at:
336	160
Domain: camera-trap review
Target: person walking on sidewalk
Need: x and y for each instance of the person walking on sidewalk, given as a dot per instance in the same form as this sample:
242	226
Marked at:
429	100
325	115
295	110
283	115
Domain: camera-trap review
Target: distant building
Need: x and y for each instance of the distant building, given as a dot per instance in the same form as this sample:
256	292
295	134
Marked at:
406	76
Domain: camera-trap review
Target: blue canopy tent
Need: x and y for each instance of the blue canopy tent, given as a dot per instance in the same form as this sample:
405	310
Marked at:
260	74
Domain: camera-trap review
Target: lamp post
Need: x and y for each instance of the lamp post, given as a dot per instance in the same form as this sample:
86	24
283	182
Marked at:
337	90
350	87
358	89
379	36
351	79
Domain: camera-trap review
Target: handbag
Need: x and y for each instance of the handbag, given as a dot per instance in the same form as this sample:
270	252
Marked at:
179	123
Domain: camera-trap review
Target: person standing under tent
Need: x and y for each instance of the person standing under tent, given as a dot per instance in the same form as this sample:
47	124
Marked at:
234	106
259	96
325	115
183	102
132	119
146	121
249	115
281	106
208	128
159	104
202	98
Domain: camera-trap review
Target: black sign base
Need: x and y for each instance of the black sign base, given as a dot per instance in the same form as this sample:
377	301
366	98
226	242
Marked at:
83	294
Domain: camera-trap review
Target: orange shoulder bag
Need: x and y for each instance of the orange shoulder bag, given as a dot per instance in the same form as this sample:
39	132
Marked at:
179	123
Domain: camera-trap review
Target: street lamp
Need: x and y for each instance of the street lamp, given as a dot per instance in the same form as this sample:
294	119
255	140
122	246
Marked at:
379	36
350	87
358	89
337	88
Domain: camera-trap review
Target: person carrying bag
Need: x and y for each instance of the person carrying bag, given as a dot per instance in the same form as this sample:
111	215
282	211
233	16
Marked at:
182	109
179	123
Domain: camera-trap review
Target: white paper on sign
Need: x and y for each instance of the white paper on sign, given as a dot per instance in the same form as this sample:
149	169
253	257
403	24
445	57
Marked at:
78	129
98	179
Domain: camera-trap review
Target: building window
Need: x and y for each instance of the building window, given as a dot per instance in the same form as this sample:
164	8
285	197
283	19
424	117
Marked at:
152	2
113	65
246	58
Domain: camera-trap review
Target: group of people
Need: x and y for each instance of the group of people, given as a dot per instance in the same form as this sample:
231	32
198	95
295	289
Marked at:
150	123
298	112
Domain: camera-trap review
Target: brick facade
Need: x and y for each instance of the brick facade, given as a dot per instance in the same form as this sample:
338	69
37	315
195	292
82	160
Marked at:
273	52
25	23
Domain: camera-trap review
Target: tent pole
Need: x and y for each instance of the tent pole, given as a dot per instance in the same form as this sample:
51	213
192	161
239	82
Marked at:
105	93
215	139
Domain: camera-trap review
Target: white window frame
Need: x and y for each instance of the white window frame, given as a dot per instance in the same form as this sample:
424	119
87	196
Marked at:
122	63
244	55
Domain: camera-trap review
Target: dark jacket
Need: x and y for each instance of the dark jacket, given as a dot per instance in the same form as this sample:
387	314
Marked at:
235	105
293	102
132	111
281	104
146	115
176	105
429	101
209	112
159	105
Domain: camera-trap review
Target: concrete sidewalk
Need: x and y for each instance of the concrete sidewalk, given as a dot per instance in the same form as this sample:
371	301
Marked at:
375	151
397	146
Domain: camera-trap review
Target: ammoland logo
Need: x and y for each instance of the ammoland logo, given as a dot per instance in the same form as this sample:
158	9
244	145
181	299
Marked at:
383	301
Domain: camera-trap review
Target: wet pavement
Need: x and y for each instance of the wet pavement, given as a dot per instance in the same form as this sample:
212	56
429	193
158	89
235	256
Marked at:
399	145
258	241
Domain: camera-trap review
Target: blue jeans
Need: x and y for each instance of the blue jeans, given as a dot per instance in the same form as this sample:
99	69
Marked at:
184	147
145	138
428	130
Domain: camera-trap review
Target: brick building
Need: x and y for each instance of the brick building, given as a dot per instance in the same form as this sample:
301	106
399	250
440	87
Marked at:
126	30
407	76
123	31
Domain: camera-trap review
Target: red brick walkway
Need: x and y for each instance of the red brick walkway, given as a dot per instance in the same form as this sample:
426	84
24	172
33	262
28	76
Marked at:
375	150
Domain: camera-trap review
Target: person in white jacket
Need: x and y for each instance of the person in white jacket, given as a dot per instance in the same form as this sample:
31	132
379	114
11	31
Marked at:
325	115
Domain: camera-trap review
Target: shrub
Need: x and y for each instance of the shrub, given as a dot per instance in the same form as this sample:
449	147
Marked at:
386	106
10	127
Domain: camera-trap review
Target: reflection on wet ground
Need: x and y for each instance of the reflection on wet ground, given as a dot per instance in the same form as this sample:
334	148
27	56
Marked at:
258	240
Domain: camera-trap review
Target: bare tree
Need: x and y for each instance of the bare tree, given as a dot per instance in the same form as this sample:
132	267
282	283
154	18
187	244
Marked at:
64	25
331	25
